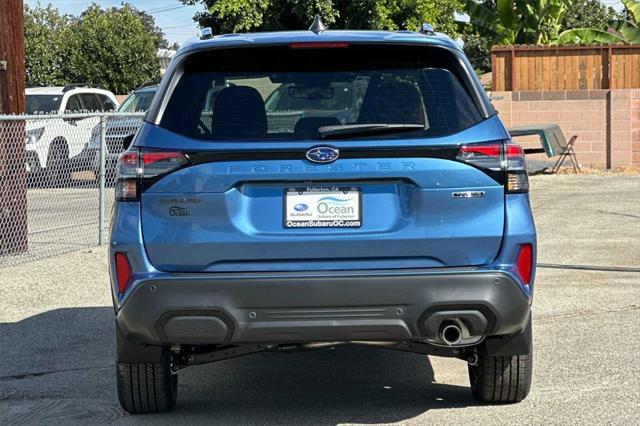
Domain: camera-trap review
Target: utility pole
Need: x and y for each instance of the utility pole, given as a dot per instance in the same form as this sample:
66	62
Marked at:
13	176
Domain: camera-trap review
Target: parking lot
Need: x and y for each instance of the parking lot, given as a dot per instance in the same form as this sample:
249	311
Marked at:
61	220
57	348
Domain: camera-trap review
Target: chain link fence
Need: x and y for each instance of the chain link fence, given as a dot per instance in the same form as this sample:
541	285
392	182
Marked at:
56	195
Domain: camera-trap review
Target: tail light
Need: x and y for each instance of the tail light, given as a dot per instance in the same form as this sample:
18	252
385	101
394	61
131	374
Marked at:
484	156
123	271
497	158
135	167
524	263
516	168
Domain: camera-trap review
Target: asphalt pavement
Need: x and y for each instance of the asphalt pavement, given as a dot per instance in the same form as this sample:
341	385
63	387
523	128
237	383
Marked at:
62	220
56	341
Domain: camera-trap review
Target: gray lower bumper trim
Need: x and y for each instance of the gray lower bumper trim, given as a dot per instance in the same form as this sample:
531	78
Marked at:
240	308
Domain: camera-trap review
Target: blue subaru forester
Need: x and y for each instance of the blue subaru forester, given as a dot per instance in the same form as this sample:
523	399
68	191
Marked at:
301	190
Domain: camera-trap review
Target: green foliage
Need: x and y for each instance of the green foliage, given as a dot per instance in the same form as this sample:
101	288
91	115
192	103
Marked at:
226	16
518	21
478	51
46	44
588	36
114	48
633	9
616	31
150	25
588	14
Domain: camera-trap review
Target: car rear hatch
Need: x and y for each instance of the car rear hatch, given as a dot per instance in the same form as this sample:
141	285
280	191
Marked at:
223	191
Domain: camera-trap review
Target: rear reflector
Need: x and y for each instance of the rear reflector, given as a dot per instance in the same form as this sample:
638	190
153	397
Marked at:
123	271
524	263
319	45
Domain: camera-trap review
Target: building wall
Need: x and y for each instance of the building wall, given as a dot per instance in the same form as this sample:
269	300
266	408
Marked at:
607	122
635	128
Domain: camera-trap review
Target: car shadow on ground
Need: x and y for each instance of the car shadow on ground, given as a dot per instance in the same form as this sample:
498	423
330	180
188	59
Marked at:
59	366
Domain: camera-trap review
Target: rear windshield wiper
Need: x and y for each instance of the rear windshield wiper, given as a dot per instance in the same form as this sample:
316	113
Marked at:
336	132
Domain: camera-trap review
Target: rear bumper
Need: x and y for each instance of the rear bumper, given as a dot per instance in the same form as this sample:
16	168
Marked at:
340	306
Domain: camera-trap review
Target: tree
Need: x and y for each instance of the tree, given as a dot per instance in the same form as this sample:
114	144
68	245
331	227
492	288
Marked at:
588	14
47	36
476	44
398	14
227	16
150	24
478	51
616	31
113	48
518	21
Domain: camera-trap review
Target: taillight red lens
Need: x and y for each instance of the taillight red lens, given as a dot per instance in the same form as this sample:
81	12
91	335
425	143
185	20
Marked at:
123	271
156	163
129	159
127	166
154	157
484	156
524	262
486	150
514	150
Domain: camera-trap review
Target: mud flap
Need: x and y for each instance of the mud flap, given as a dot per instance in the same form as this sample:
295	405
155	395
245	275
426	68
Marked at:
131	352
515	344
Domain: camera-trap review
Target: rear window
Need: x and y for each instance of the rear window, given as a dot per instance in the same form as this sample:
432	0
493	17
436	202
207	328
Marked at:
47	104
137	102
287	93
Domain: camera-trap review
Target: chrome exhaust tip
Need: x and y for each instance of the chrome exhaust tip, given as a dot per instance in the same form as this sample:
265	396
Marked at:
450	333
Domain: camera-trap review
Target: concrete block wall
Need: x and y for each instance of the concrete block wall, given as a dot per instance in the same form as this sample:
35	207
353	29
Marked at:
607	122
635	128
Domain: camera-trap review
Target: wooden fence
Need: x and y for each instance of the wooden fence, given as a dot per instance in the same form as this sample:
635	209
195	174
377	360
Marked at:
517	68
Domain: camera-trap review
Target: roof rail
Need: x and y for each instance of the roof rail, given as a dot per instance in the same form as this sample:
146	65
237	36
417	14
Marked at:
206	33
427	29
147	84
72	86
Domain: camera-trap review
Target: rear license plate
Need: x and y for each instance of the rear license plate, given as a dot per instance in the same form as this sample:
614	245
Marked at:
323	207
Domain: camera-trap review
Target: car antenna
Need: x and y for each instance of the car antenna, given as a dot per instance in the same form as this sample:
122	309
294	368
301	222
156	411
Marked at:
317	26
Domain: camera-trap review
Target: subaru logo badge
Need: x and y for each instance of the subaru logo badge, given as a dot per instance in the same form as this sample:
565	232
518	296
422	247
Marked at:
322	154
300	207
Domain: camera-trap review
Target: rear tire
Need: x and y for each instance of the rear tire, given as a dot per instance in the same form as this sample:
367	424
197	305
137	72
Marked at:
145	388
58	172
501	379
